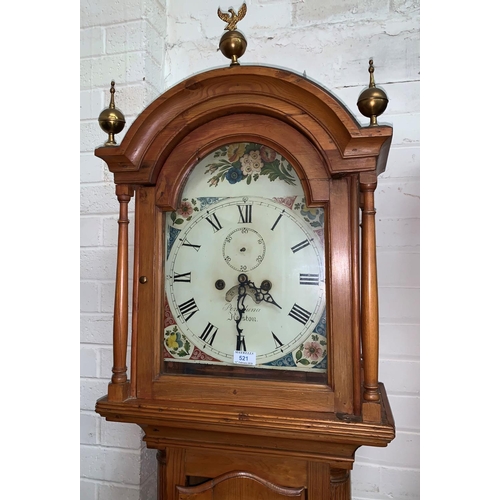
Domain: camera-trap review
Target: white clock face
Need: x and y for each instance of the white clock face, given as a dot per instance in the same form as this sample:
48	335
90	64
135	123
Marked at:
245	274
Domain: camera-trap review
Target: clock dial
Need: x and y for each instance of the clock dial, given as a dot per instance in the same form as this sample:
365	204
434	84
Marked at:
245	272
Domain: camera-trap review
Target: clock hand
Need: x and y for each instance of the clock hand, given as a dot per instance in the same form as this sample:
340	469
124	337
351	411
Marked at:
247	287
258	294
262	293
267	297
242	293
244	288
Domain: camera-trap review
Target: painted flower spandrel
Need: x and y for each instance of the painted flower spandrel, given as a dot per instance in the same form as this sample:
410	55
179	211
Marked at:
176	342
184	212
186	209
172	341
313	350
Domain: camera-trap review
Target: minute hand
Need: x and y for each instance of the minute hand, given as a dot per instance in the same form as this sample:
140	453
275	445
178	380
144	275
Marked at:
242	293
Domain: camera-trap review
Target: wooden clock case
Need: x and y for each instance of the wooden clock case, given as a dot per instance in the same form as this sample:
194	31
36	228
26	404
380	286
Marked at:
246	438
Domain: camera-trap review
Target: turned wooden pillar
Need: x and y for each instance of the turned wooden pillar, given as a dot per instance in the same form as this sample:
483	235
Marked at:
174	473
356	328
340	484
119	388
369	294
161	484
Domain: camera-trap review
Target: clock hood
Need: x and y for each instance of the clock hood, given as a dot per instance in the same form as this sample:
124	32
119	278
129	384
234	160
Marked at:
284	97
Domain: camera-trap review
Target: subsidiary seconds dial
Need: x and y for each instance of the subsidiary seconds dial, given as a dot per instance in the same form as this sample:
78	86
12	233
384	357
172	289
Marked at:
243	249
246	274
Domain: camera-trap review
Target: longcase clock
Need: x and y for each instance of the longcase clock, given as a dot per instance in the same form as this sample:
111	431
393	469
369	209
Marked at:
254	367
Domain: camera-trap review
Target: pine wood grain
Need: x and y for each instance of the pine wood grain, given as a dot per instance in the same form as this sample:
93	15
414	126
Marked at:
277	438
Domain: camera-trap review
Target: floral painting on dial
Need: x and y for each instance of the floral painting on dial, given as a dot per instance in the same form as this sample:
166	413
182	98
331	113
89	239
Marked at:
247	162
241	171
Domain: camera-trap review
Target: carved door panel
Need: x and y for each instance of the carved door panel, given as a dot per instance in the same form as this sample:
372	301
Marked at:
240	486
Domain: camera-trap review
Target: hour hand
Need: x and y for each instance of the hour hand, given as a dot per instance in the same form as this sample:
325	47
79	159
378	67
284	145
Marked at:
247	287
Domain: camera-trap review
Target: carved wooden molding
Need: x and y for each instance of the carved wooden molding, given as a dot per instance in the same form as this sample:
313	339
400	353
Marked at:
264	91
234	486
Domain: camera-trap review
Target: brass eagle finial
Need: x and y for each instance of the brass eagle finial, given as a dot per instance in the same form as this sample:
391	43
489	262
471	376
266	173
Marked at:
231	18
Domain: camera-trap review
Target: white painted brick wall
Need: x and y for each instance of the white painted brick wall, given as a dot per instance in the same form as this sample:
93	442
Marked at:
331	42
123	42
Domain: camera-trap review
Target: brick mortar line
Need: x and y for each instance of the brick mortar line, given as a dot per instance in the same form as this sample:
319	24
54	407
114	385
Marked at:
377	466
103	482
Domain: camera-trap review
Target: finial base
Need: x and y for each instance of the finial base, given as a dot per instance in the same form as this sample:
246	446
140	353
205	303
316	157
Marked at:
111	141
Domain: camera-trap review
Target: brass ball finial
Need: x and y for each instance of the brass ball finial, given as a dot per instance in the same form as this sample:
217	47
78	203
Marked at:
233	43
111	119
372	102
